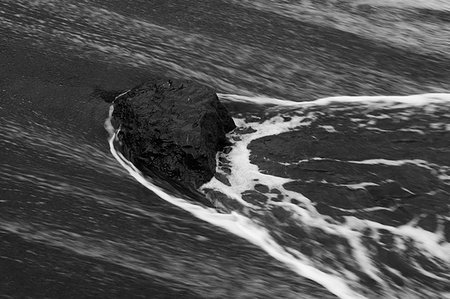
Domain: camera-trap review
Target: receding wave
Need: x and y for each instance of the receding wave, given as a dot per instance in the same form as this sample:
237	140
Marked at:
353	251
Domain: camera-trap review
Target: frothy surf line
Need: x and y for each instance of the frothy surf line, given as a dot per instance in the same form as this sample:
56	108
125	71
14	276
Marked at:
386	162
411	100
245	175
236	224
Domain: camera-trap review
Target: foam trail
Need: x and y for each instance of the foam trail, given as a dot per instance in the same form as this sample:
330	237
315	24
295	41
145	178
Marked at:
260	100
245	175
238	225
412	100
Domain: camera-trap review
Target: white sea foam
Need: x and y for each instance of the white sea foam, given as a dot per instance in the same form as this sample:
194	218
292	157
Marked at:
245	175
259	100
362	185
238	225
417	162
399	101
413	130
440	171
328	128
432	244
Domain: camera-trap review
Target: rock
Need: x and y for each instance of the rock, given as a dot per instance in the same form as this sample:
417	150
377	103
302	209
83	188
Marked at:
173	127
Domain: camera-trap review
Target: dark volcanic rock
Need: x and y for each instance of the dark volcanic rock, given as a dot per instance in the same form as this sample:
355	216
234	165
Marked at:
173	127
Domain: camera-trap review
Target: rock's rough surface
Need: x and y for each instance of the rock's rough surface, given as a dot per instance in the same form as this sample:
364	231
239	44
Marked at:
173	127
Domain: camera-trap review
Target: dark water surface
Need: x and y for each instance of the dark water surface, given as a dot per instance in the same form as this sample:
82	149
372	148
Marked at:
350	200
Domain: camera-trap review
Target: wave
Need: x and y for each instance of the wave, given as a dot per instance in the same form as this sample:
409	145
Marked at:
255	221
236	224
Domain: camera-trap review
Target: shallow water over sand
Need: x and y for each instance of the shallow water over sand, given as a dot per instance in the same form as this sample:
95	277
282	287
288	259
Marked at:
349	199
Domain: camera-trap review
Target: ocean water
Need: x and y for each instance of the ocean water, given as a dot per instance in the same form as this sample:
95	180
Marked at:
336	184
